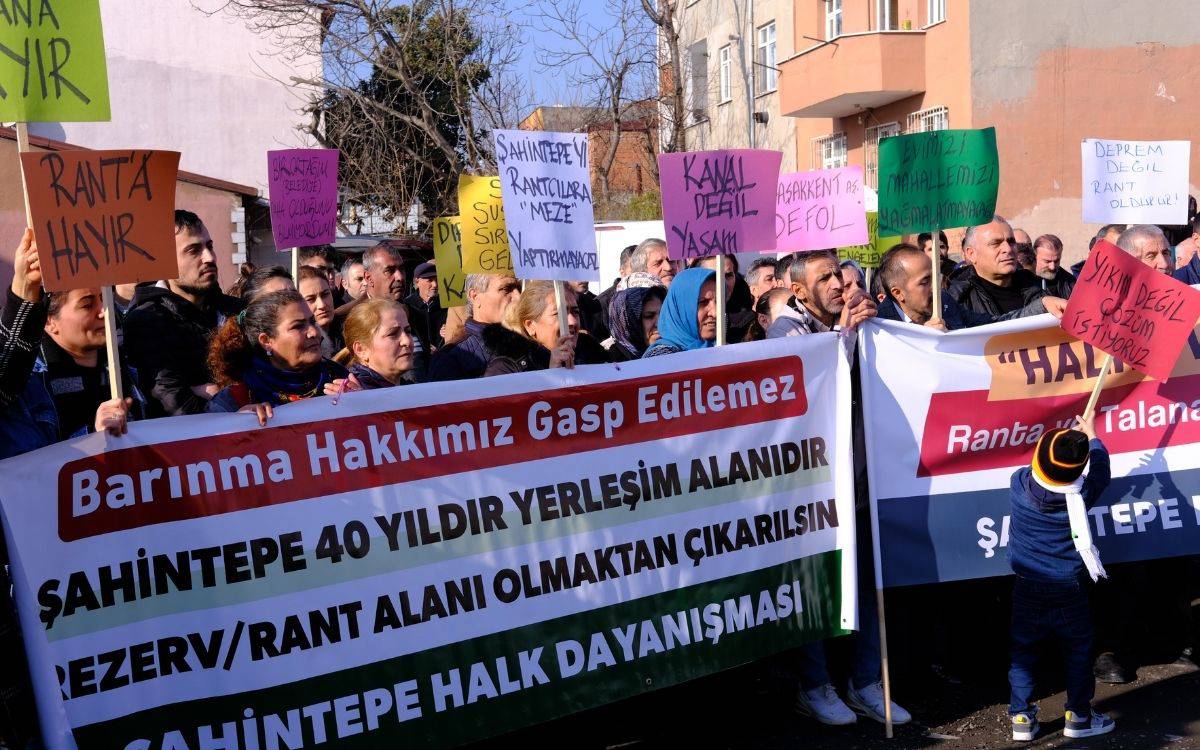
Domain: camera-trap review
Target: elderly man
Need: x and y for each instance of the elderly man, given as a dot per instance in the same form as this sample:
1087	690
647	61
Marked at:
995	285
1148	244
651	257
1056	280
488	298
384	277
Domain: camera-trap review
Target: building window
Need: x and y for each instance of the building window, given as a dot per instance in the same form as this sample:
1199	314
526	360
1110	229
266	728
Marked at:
829	151
937	11
889	14
874	135
925	120
725	56
833	19
766	75
696	93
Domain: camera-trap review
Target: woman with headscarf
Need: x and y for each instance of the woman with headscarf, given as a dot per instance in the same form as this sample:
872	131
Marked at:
379	344
689	314
633	321
270	355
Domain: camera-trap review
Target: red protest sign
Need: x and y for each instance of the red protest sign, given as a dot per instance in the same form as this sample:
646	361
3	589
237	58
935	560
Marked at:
102	217
1125	308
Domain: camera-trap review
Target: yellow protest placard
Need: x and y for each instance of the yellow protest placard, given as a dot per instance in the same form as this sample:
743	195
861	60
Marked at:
869	255
484	237
52	66
447	251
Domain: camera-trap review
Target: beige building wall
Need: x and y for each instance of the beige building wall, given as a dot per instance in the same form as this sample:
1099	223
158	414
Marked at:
1049	74
725	122
1045	74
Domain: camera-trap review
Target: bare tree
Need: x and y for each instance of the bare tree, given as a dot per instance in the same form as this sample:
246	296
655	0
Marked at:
612	62
673	108
418	85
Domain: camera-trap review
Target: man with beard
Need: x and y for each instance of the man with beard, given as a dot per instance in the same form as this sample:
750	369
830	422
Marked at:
823	303
168	329
1056	280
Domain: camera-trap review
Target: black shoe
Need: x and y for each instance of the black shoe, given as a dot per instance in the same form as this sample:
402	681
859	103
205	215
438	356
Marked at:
1107	670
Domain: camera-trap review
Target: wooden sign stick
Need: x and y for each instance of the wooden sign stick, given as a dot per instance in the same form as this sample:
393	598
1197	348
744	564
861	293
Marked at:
720	293
560	301
1105	368
296	266
936	261
115	387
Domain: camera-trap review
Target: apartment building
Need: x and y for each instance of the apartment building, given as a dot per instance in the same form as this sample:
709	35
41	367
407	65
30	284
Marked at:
730	50
1045	74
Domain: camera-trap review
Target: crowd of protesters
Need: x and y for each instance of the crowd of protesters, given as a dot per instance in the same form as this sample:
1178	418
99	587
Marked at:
187	347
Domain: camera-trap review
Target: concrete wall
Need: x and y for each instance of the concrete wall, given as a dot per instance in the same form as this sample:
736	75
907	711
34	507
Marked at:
1048	74
204	85
728	122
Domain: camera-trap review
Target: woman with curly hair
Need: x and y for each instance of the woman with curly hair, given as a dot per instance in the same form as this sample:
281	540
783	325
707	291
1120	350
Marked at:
270	355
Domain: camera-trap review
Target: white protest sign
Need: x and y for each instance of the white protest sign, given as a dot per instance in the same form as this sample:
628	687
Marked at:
548	213
1135	182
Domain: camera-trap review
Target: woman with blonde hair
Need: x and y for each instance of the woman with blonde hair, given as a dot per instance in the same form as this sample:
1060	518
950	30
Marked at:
529	339
379	344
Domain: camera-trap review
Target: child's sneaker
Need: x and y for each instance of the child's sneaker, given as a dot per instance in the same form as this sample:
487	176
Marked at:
1087	726
1024	727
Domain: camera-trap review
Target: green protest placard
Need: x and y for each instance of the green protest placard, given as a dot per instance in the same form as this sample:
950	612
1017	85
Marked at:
937	180
52	65
869	255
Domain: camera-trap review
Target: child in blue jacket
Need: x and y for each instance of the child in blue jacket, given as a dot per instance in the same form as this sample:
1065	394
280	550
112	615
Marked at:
1051	552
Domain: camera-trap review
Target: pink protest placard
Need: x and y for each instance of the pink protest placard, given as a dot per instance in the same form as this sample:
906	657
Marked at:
1125	308
304	207
719	201
820	209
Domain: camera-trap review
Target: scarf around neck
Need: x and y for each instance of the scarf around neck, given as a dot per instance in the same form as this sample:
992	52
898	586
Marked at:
1081	531
267	383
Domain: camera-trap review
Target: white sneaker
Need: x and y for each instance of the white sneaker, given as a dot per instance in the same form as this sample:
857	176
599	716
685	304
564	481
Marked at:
823	704
869	703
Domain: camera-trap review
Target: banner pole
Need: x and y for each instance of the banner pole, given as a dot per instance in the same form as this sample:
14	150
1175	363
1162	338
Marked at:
936	261
720	292
560	301
883	661
115	386
296	266
1105	367
23	147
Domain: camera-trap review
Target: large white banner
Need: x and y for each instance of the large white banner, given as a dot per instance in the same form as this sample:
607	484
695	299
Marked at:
950	417
414	570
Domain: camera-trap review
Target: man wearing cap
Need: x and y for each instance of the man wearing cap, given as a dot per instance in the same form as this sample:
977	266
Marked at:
428	315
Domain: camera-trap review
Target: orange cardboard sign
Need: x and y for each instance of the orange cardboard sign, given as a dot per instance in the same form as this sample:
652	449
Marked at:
102	217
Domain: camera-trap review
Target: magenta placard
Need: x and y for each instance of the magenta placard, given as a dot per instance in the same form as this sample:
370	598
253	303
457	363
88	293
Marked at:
819	210
719	201
304	207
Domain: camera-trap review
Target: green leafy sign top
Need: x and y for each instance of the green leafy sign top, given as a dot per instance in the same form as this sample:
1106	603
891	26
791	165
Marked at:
937	180
52	66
